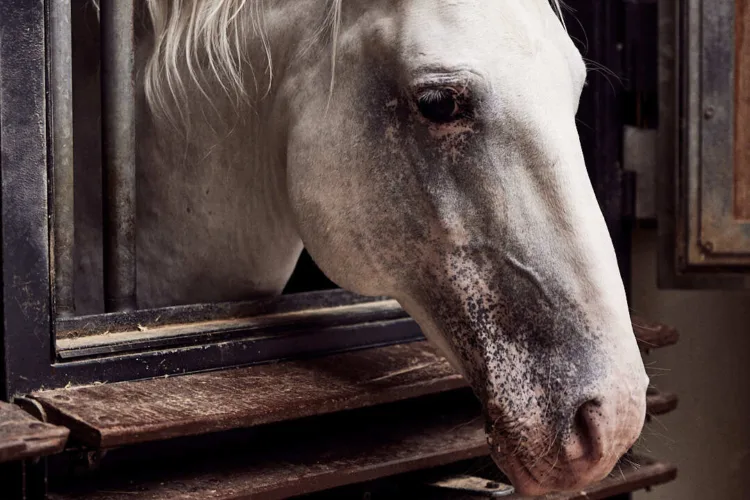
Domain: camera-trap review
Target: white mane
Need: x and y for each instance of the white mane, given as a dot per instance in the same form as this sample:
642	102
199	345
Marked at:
206	39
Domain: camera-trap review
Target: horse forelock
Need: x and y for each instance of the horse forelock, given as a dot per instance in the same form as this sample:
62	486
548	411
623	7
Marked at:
203	43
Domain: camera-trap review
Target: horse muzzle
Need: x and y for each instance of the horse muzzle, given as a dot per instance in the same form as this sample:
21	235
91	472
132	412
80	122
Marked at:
552	450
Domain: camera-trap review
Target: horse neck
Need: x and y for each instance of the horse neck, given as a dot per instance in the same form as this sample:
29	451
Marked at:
214	218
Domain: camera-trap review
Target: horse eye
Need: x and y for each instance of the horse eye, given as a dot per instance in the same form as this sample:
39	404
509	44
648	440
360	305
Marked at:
438	105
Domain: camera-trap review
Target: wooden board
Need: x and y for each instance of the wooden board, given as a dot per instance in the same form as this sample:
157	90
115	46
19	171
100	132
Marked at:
289	459
110	415
652	335
22	436
742	112
327	452
632	474
659	403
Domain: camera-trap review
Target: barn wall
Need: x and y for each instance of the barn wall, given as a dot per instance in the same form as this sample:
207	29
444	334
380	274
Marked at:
708	437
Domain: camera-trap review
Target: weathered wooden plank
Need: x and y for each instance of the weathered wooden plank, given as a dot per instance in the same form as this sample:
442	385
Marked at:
288	459
10	448
659	403
652	335
22	436
742	112
632	474
640	473
331	452
111	415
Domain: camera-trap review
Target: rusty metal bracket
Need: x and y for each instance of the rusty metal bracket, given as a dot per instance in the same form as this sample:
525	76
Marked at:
474	485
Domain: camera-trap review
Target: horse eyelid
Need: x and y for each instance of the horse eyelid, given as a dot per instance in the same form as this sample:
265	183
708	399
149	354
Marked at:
456	79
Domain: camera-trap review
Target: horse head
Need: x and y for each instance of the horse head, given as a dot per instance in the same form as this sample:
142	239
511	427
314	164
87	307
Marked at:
446	171
435	159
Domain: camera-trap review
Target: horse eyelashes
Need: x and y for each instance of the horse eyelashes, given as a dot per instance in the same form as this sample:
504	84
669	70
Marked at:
442	105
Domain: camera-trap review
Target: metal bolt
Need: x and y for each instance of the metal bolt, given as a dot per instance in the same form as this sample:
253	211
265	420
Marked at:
709	112
708	246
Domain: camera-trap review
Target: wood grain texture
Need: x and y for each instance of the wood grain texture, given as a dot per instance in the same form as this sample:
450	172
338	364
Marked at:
742	112
653	335
109	415
22	436
288	459
633	474
329	452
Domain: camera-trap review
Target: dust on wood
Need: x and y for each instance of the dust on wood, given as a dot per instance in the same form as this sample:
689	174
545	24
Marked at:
288	459
343	449
22	436
110	415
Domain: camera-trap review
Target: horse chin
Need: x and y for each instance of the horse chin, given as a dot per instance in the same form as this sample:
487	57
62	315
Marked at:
547	475
537	465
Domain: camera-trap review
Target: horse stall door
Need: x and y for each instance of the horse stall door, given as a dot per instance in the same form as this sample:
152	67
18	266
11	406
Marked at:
703	182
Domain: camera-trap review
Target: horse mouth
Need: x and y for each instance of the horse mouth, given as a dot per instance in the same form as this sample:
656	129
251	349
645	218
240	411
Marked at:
543	462
548	474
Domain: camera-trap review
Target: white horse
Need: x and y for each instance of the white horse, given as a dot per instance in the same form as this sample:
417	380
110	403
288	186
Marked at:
420	149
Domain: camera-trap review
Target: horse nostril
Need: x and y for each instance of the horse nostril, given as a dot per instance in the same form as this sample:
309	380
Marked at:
587	424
